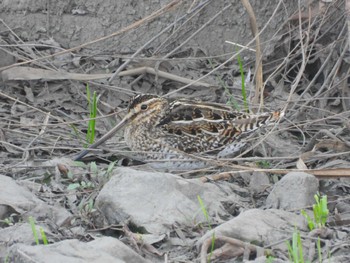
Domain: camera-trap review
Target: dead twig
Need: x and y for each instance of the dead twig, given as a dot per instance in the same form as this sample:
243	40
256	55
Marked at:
319	135
29	73
123	66
318	173
230	58
149	18
347	10
162	74
232	248
197	31
259	88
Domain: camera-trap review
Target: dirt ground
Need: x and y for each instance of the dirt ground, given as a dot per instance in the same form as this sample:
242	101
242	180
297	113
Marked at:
51	51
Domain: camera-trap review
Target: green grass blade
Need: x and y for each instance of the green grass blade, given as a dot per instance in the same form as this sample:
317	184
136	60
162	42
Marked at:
319	249
244	93
212	246
310	222
206	215
35	234
204	210
295	247
92	121
93	116
88	97
290	251
92	105
300	248
317	212
320	210
324	210
88	93
43	236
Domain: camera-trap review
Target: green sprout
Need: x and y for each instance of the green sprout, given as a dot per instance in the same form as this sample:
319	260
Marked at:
320	213
263	164
97	176
206	215
90	135
35	234
244	93
295	249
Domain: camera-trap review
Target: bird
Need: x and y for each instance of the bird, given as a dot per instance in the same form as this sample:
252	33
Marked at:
179	134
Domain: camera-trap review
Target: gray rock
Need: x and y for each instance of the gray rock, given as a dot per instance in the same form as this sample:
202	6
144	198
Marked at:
339	259
284	145
18	233
263	259
259	182
106	249
14	197
156	201
261	226
295	190
6	59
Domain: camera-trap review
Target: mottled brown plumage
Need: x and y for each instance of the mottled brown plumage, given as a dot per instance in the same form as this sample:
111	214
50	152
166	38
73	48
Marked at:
159	129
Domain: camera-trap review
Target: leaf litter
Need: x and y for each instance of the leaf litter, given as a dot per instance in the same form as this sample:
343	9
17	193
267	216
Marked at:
44	117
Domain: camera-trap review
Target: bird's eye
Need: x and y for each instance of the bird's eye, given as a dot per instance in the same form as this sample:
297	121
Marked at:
144	107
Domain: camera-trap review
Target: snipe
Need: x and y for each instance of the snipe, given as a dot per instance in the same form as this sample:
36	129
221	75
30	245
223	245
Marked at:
167	134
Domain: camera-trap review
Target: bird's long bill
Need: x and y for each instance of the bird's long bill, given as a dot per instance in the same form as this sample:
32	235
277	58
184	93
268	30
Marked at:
105	137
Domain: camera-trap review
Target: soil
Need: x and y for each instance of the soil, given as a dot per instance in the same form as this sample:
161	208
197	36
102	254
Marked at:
52	52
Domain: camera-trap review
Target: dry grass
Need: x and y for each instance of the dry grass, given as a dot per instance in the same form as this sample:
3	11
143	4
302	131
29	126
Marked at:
304	71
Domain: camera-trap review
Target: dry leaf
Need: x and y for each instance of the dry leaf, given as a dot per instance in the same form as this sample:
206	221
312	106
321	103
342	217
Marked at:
301	165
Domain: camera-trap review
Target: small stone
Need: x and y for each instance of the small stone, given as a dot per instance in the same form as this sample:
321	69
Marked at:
259	182
295	190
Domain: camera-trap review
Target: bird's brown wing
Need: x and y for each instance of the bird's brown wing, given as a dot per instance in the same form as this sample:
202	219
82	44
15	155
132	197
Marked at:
201	127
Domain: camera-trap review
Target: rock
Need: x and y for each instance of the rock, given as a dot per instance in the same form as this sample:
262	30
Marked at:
263	259
259	182
18	233
284	145
156	201
295	190
18	199
339	259
105	249
261	226
6	59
